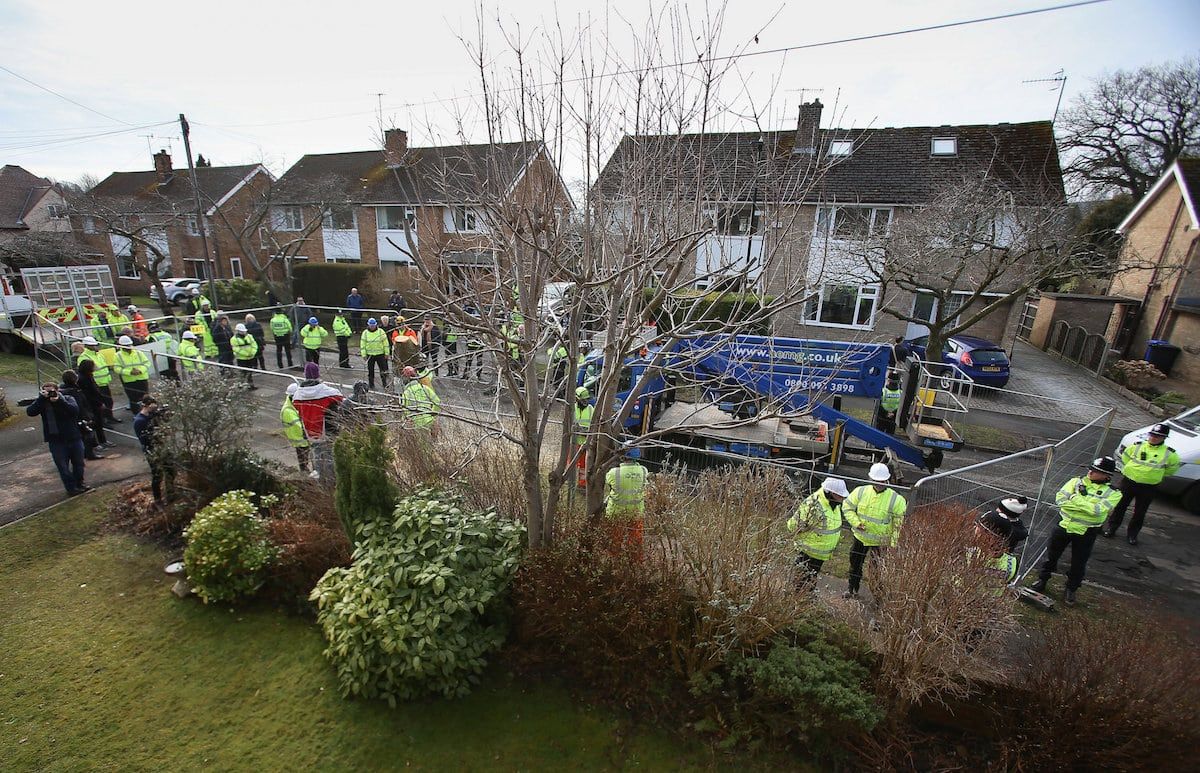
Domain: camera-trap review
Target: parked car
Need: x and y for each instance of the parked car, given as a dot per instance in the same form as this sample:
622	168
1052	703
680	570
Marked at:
177	288
978	359
1185	439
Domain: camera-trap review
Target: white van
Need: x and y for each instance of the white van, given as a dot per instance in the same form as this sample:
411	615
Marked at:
1185	439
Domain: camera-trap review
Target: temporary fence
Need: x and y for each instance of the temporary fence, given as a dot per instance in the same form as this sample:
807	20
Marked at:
1036	473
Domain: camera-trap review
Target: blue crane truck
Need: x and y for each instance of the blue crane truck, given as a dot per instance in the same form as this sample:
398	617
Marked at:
735	375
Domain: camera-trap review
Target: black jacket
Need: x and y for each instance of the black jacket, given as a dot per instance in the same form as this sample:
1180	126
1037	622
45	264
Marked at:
221	336
60	419
255	329
81	402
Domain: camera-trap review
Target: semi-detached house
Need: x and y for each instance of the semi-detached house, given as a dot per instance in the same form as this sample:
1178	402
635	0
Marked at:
365	200
803	202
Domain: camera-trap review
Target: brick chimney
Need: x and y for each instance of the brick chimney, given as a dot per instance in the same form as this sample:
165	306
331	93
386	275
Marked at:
808	129
162	166
395	146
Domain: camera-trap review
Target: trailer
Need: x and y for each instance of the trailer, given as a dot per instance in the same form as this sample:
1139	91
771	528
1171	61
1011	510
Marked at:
55	304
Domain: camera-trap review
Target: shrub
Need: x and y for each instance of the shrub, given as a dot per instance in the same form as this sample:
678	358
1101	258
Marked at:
309	541
205	420
1106	695
241	294
227	550
365	493
134	511
416	612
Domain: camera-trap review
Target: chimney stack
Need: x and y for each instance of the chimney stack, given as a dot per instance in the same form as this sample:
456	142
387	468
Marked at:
808	129
395	146
162	166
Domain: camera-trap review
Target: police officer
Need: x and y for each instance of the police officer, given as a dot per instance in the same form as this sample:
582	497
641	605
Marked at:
889	405
817	527
281	329
311	336
1143	467
625	503
342	331
875	514
1005	523
1084	503
132	366
373	345
245	350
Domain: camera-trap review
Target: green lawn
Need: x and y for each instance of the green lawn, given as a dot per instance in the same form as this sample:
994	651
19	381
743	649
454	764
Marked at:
103	668
20	367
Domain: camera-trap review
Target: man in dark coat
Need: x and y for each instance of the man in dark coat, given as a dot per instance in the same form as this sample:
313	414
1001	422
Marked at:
60	430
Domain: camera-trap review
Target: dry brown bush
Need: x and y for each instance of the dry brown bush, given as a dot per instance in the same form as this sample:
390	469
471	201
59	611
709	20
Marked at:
938	616
310	539
134	511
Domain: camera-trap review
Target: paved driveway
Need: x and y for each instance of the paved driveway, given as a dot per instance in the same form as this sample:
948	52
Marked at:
1045	387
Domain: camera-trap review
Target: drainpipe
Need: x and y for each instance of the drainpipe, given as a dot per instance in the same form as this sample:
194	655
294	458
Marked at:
1165	312
1162	255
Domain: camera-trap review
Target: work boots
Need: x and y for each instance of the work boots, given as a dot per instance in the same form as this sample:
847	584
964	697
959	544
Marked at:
1069	598
1039	586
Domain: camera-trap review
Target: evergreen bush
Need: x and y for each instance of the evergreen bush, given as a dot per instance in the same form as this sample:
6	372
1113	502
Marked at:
416	613
328	284
365	492
241	293
228	551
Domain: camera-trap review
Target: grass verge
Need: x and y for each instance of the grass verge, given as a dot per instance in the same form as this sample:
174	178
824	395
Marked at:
19	367
104	668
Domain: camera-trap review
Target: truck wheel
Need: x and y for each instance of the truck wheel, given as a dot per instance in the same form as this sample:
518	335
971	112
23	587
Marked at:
1190	499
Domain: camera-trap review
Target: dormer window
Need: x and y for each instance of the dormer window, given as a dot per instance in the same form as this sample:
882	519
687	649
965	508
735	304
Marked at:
841	147
943	146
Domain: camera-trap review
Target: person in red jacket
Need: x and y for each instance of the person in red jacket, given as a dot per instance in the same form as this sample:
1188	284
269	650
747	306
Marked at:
315	401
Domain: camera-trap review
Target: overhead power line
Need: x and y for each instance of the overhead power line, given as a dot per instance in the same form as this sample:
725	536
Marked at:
63	97
703	60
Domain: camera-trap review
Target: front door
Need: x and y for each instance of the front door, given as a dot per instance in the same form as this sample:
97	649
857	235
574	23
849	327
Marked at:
924	308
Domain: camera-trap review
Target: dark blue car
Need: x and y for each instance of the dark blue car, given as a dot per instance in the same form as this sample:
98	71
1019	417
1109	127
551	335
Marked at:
982	361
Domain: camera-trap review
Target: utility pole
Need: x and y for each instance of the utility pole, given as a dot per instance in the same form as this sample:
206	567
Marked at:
208	261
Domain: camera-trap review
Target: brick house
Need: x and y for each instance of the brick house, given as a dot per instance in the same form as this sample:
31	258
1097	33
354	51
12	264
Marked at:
364	199
1160	267
797	205
128	210
30	205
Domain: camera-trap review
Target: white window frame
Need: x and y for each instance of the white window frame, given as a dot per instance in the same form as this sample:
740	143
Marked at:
718	217
287	218
329	259
327	219
943	150
827	220
56	211
866	292
235	268
191	224
465	220
410	214
89	224
841	148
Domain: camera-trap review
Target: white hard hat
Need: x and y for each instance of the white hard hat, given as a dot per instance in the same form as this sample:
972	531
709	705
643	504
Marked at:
835	486
131	308
125	341
292	388
879	473
90	341
188	334
240	328
195	291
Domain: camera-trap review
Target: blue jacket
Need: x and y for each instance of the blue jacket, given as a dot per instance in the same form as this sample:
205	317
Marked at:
60	419
355	301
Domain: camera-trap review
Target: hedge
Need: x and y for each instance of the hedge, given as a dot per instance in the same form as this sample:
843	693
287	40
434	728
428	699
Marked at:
710	310
328	284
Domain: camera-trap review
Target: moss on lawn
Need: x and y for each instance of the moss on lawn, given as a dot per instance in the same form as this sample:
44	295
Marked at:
104	668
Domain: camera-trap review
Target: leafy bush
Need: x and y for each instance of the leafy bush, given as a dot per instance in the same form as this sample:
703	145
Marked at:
241	294
1106	695
365	492
416	612
1171	400
205	420
227	548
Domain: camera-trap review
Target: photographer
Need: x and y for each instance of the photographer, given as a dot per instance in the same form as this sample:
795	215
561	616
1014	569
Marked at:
145	424
60	430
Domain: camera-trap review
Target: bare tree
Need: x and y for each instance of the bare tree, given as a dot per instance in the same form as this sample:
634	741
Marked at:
1124	133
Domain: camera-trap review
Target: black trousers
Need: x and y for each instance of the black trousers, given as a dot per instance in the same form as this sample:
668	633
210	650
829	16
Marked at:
312	355
106	393
135	391
302	458
450	355
282	345
884	423
1141	494
158	474
377	361
858	557
247	376
1081	550
260	357
343	351
808	569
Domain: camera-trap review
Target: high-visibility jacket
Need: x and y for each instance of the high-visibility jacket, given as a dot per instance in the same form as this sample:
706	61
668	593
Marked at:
1003	568
188	349
817	526
102	373
555	355
118	321
372	343
168	346
890	399
341	328
422	404
1085	504
200	328
512	335
132	365
311	337
200	300
875	516
293	428
97	328
1145	462
281	326
625	491
583	422
140	328
451	334
244	347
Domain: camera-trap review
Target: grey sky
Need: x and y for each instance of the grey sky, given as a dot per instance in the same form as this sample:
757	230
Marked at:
260	79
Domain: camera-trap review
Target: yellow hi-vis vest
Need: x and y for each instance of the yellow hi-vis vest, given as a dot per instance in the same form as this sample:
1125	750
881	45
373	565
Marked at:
293	427
817	526
372	343
625	491
890	400
1085	504
244	347
421	403
281	326
583	423
132	365
311	337
874	516
102	374
1147	463
188	349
